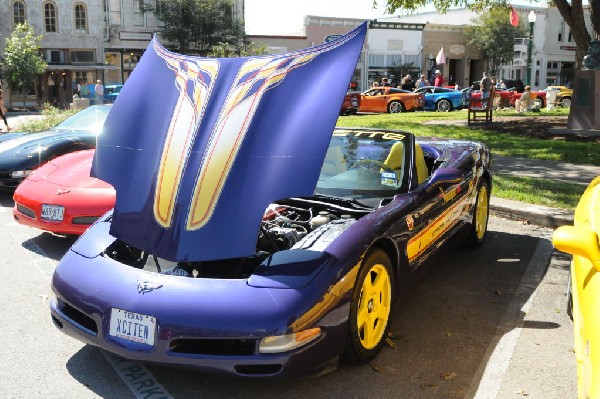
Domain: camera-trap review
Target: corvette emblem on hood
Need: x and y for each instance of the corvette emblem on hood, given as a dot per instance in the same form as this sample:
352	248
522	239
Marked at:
146	286
204	149
60	191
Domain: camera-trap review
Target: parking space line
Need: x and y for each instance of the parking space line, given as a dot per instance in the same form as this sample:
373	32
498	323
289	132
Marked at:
509	329
137	377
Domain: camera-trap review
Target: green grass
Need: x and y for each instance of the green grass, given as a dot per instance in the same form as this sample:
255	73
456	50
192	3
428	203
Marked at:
537	191
500	143
525	189
52	117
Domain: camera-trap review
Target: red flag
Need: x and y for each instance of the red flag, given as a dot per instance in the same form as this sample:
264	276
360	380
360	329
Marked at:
514	17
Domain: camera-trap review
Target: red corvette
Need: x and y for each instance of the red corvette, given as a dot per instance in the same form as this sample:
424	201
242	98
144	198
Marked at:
61	197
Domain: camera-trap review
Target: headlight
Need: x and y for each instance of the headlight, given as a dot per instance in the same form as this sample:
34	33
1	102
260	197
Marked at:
20	173
288	342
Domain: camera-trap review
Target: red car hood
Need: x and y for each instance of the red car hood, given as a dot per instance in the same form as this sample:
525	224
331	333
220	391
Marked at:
70	170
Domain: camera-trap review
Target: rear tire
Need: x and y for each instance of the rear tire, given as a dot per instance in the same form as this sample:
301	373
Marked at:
370	309
481	213
395	107
443	105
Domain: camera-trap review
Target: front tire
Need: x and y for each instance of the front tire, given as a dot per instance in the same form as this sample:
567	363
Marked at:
565	102
443	106
395	107
370	310
481	214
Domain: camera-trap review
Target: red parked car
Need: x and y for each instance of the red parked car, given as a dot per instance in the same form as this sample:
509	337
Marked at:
61	197
351	103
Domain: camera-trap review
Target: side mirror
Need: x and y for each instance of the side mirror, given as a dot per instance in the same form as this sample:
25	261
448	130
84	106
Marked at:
445	176
580	241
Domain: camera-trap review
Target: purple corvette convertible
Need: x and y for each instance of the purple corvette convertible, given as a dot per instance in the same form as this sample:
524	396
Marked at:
247	239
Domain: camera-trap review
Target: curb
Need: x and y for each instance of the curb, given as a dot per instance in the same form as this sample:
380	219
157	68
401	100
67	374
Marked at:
535	214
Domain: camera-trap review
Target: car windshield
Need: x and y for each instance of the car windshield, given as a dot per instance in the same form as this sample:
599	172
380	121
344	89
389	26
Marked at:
90	120
364	164
113	89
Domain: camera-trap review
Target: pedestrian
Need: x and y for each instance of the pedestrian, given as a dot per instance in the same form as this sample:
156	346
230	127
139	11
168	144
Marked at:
407	84
375	84
99	90
385	82
3	112
439	79
485	85
422	82
525	103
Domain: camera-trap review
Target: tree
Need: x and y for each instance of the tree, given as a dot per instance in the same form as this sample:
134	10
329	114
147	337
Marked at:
493	36
224	50
570	10
196	26
23	61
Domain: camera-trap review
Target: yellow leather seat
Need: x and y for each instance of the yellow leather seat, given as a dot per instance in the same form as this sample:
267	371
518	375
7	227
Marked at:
395	158
422	170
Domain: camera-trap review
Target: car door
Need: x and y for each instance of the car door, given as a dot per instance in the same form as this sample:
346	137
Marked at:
430	98
369	100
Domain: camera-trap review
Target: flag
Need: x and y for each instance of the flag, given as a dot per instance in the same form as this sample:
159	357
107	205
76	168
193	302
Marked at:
514	17
441	57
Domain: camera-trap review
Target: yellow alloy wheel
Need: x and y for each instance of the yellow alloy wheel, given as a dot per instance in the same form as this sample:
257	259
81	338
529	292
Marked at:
481	213
374	306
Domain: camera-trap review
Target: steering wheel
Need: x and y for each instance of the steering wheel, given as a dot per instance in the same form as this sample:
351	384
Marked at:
371	161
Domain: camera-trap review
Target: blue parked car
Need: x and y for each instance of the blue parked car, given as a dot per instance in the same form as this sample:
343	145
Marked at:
111	92
441	99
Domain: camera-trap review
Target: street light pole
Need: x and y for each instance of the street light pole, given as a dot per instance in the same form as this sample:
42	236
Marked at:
531	18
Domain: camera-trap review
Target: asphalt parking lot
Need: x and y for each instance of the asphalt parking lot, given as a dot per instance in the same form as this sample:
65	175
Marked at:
489	323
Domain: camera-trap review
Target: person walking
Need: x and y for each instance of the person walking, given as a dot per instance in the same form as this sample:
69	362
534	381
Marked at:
485	85
99	90
439	79
422	82
3	112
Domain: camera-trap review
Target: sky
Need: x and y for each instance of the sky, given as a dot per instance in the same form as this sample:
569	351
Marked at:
283	17
280	17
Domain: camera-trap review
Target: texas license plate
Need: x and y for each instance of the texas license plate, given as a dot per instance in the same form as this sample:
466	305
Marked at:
53	212
132	326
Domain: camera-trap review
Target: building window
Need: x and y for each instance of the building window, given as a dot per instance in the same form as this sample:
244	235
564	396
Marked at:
50	18
83	56
80	18
19	12
561	29
138	13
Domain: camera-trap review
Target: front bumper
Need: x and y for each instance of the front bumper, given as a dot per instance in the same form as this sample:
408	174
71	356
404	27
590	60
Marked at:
214	329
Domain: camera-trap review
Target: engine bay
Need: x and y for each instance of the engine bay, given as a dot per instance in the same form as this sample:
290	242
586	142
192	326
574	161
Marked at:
294	223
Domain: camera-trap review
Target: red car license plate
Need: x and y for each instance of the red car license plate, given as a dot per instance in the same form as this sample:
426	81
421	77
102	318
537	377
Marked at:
53	212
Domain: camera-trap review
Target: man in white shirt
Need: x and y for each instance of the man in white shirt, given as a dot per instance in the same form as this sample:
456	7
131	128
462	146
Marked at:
99	90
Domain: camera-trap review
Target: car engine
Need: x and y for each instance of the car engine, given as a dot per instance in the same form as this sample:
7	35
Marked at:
295	223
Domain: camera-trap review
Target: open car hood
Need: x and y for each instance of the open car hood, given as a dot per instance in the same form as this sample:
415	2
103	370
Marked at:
197	148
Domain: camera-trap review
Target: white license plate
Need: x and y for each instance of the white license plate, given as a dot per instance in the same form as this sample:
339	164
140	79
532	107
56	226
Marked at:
53	212
132	326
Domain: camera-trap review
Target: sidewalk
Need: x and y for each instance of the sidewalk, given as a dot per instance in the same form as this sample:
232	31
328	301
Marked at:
16	119
538	214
